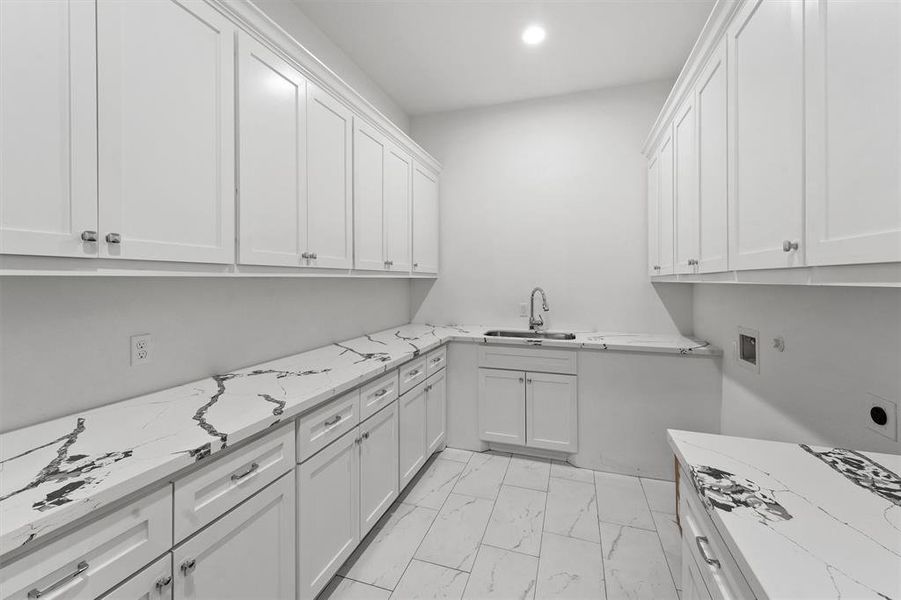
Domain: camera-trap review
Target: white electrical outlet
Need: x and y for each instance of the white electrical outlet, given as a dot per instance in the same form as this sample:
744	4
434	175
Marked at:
523	309
141	349
881	416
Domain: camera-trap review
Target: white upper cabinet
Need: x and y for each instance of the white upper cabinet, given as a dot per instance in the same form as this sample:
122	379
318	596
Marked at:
330	181
425	220
166	131
272	202
653	215
666	206
398	181
766	104
712	120
48	129
853	131
685	189
369	193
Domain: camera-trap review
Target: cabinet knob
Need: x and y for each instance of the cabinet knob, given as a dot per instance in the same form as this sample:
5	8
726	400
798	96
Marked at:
163	582
415	265
788	246
521	379
188	566
365	435
88	236
313	255
305	255
389	263
656	267
113	238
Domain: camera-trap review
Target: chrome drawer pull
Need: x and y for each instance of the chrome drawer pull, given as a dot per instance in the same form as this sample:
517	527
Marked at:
188	566
381	393
163	582
251	469
700	540
436	360
88	235
413	373
332	421
79	569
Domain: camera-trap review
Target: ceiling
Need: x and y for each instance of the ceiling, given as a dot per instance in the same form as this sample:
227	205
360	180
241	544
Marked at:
438	55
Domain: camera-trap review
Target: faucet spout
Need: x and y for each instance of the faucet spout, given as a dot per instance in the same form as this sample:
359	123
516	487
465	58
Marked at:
536	322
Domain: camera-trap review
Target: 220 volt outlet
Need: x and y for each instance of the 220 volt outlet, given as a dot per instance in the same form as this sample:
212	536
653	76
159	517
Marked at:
141	347
881	416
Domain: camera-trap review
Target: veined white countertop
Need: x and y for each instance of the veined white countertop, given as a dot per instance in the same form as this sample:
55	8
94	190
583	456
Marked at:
801	521
56	472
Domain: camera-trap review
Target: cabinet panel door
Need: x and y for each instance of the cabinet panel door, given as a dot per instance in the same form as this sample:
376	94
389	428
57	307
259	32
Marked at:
48	127
666	206
552	412
271	158
436	411
693	586
766	91
153	582
686	188
330	177
369	194
398	181
328	513
653	215
853	131
711	112
413	444
378	466
425	220
166	130
502	406
247	553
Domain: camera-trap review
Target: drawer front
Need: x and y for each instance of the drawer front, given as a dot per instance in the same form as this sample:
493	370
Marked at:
411	374
541	360
93	559
326	424
435	360
378	394
151	583
202	497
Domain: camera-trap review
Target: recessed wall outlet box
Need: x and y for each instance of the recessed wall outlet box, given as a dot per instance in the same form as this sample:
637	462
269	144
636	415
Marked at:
747	349
881	416
141	349
523	309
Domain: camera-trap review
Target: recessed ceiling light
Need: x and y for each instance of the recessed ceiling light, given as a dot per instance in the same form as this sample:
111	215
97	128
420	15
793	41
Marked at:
533	35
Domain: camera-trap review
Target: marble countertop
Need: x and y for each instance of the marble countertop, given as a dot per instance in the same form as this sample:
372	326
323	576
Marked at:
801	521
56	472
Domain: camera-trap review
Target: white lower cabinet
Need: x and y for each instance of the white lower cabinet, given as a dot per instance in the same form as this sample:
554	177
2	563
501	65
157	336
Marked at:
150	583
693	587
413	445
378	466
502	408
436	411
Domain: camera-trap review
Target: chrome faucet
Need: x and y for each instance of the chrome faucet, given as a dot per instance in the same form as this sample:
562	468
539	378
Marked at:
535	323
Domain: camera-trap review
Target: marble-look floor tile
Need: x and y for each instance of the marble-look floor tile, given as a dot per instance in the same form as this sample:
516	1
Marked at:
454	537
433	486
528	472
671	540
564	470
621	501
572	510
517	519
381	559
634	565
483	475
661	495
503	575
569	568
425	581
456	454
340	588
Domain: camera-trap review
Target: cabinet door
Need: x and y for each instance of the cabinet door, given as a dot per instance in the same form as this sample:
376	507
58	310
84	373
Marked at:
766	95
328	513
502	406
693	586
666	206
48	128
425	220
552	412
686	188
166	130
413	444
711	114
398	181
369	193
153	582
436	411
272	221
378	466
653	215
330	177
853	149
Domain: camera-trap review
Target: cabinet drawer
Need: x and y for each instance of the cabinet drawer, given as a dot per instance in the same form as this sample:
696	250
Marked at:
378	394
204	496
542	360
435	360
411	374
91	560
324	425
151	583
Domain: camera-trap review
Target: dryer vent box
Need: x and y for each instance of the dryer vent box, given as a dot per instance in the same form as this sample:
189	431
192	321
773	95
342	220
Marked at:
747	349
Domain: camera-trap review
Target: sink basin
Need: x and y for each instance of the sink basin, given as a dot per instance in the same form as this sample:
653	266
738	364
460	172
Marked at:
532	335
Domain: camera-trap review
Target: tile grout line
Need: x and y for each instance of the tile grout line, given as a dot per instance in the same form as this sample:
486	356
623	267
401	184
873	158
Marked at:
597	496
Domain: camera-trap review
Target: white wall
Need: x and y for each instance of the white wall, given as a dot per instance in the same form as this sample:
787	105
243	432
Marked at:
64	342
289	16
840	344
550	193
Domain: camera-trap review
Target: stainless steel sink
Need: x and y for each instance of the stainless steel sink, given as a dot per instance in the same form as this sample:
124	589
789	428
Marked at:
532	335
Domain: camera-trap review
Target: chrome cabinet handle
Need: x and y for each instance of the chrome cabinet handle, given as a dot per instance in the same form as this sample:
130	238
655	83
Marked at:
656	267
788	246
413	373
700	540
381	393
238	476
358	441
332	421
313	255
436	360
113	238
692	261
79	569
88	236
305	255
521	379
415	265
529	380
188	566
365	435
389	263
162	582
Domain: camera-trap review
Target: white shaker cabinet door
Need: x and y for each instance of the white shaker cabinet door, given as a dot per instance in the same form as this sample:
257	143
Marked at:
398	182
685	168
653	215
153	582
666	206
502	406
378	466
330	181
413	444
552	412
853	131
272	218
766	96
425	220
166	131
370	151
48	128
436	411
